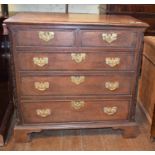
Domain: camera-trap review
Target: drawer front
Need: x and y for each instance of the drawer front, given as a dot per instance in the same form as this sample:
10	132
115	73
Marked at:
108	38
47	37
76	61
75	111
77	85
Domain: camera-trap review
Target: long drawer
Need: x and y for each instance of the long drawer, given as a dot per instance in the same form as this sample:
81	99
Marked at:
45	37
75	111
118	83
76	61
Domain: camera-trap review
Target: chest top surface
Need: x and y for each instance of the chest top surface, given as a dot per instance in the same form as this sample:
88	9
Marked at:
74	19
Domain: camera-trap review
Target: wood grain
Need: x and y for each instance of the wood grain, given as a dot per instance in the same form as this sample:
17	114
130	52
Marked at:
147	84
92	85
64	61
83	19
92	38
63	111
31	37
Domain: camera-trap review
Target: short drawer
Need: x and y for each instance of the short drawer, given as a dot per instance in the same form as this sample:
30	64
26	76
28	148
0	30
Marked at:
108	38
75	111
77	84
76	61
45	37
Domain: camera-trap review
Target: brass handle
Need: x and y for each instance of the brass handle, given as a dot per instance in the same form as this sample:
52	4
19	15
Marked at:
46	36
40	61
112	85
77	79
43	112
109	37
112	62
77	105
110	110
78	57
41	86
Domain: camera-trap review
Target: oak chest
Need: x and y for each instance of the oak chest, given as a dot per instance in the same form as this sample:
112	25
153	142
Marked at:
75	71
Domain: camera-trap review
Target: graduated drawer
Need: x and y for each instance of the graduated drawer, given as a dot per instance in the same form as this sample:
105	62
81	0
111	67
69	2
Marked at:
76	61
45	37
75	111
109	38
77	84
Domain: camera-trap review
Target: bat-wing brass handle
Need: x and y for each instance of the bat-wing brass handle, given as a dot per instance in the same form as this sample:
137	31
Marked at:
46	36
109	37
110	110
40	61
78	57
77	105
41	86
77	79
43	112
112	62
112	85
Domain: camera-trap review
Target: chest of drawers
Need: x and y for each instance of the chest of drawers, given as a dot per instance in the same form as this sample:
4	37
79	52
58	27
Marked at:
75	71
